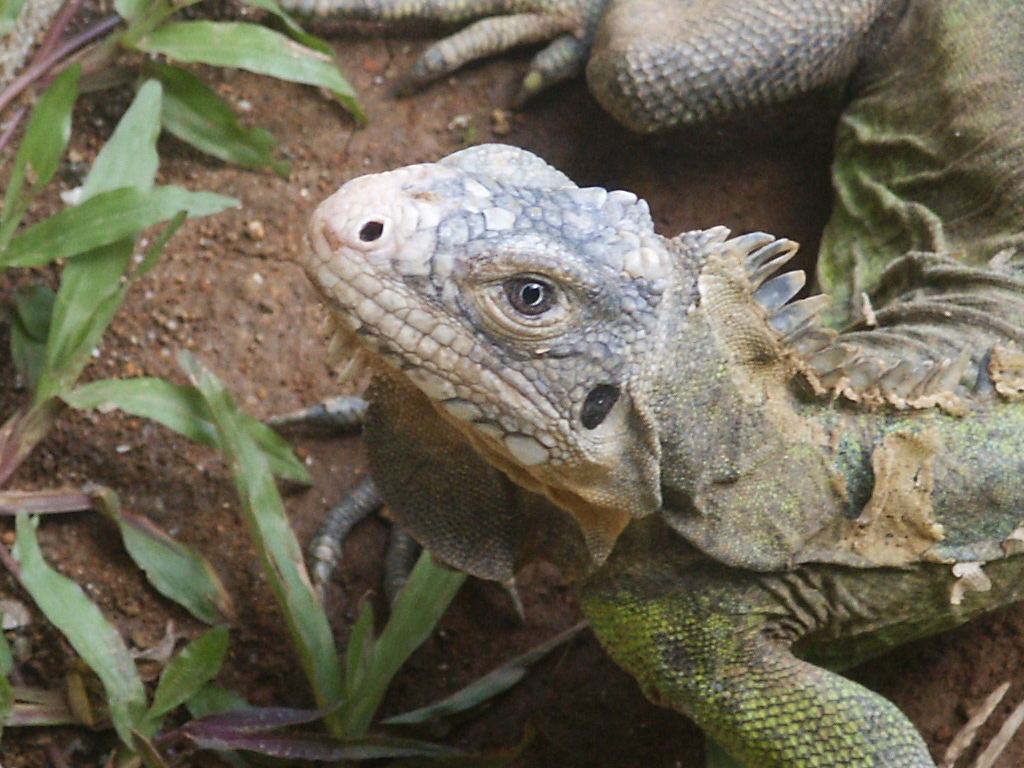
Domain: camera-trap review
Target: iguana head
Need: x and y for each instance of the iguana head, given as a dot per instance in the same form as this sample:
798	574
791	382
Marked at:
526	309
617	372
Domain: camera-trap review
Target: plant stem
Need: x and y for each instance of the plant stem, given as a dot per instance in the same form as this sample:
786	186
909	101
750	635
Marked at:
12	126
42	64
58	26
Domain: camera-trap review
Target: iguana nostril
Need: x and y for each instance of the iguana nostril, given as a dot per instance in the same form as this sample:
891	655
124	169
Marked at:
371	230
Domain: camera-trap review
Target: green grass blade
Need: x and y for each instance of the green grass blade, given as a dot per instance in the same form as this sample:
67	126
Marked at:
292	27
487	687
9	10
278	549
183	409
30	325
40	149
213	698
105	219
254	48
156	247
188	672
198	116
146	751
91	635
359	650
90	293
129	158
131	9
176	571
6	691
425	597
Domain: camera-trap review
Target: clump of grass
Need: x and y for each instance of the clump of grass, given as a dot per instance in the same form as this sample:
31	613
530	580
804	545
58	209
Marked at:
100	243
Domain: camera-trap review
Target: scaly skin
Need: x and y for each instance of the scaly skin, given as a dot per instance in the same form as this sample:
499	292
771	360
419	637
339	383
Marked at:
710	512
930	148
741	495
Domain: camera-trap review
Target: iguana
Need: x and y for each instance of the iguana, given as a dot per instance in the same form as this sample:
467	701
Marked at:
746	498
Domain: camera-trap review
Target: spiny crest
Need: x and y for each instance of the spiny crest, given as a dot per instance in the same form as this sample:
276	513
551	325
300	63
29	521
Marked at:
893	357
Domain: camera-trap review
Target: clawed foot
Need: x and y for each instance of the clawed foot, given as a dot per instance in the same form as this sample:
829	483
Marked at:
346	414
491	27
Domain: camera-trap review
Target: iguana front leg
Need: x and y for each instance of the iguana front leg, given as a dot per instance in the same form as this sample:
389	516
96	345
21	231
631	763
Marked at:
492	27
714	643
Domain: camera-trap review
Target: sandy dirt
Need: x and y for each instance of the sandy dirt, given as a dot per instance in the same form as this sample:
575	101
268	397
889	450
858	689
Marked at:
227	290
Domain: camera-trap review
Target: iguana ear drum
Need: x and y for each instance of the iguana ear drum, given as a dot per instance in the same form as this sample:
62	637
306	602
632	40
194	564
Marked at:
598	404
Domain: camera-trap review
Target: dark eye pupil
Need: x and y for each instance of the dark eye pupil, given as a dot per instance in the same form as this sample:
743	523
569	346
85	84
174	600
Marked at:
530	296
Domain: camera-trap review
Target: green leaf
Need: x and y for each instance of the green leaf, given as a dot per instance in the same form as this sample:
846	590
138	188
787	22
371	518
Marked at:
90	293
105	219
92	636
487	687
250	47
425	597
359	651
188	672
131	9
30	325
6	691
275	541
197	115
9	10
146	751
156	247
40	150
183	409
292	27
129	157
176	571
213	698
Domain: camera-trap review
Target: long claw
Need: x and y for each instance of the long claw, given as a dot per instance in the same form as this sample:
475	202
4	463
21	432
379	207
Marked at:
325	549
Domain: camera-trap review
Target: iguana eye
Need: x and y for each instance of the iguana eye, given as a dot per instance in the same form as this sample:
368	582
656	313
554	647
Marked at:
530	296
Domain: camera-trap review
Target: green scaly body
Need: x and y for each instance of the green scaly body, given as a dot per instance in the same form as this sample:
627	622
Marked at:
771	508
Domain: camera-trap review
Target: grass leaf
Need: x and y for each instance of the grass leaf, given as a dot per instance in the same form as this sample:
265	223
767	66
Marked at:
188	672
297	745
198	116
426	595
253	48
30	325
487	687
291	26
6	691
40	149
255	720
9	10
176	571
80	621
359	650
105	219
129	158
90	293
211	699
146	751
275	542
183	409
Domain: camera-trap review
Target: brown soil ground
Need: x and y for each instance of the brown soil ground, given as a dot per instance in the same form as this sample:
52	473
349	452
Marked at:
227	290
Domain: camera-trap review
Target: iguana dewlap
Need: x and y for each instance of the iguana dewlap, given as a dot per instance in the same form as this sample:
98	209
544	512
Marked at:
730	480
